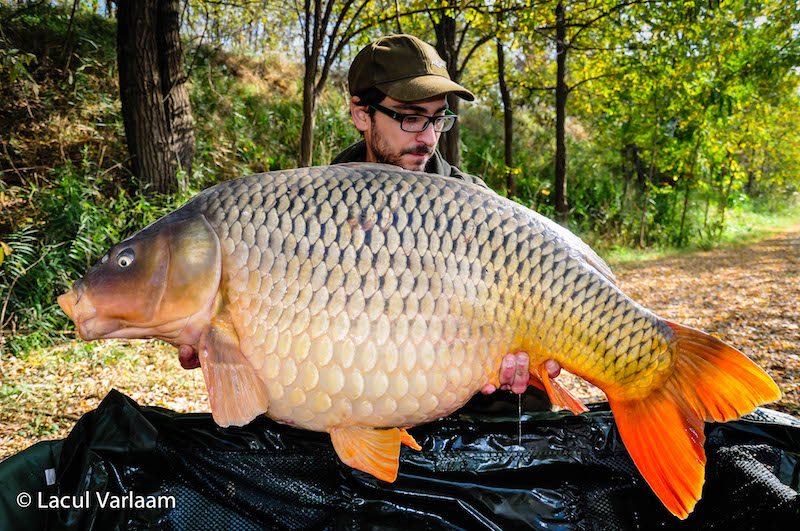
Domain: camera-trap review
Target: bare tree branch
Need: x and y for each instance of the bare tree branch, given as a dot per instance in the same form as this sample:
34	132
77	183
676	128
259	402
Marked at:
472	50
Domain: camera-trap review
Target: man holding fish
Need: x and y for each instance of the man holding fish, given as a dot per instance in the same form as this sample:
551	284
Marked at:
361	299
399	87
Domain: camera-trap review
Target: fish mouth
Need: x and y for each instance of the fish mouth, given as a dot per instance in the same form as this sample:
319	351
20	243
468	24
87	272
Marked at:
68	301
81	311
93	324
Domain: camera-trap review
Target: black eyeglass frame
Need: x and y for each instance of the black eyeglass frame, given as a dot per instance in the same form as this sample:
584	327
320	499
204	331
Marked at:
400	117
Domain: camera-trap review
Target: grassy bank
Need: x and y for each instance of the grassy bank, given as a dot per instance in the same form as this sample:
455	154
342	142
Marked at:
744	226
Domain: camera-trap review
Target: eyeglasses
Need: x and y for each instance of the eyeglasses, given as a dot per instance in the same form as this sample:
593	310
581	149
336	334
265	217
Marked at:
415	123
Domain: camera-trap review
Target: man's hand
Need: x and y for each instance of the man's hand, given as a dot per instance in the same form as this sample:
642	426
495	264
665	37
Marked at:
514	373
188	357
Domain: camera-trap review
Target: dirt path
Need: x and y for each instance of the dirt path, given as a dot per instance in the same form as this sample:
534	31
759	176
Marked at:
749	296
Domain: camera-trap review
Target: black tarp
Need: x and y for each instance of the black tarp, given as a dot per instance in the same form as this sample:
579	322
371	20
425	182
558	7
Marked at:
480	468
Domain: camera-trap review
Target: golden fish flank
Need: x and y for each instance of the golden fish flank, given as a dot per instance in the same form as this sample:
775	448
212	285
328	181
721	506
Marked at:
347	298
346	311
344	269
355	326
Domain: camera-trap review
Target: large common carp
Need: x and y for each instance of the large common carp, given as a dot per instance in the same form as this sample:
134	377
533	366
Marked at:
363	299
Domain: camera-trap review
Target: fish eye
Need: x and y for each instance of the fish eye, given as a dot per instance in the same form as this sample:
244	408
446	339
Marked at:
125	258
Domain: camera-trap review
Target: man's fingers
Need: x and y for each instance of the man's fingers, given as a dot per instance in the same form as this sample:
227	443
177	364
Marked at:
507	370
515	373
553	368
521	374
188	357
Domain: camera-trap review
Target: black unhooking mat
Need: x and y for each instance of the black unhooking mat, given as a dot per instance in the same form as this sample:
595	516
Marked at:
125	466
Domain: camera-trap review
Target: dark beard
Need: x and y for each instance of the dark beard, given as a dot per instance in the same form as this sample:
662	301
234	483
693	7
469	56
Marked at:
381	152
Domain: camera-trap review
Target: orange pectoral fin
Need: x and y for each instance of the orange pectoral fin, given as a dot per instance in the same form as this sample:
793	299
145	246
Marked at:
371	450
557	393
663	432
236	393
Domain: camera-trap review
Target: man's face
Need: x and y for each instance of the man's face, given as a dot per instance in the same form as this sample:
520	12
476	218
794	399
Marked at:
388	143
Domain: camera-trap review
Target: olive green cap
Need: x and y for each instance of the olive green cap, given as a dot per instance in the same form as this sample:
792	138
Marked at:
404	68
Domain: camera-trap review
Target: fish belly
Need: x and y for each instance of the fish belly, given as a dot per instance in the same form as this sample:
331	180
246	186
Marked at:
380	297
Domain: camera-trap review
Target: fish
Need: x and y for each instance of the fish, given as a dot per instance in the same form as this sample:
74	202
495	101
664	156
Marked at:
363	299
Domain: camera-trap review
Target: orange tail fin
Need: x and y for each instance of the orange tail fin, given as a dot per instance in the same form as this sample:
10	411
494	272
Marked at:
664	432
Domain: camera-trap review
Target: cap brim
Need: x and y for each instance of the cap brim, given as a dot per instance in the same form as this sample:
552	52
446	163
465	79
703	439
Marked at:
423	88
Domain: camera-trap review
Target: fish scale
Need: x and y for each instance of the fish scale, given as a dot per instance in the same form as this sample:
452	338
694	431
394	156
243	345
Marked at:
398	221
360	300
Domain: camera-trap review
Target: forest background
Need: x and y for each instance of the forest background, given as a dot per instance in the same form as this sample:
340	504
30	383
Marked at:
638	124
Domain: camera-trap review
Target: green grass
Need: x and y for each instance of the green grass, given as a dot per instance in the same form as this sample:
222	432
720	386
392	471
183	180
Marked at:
744	226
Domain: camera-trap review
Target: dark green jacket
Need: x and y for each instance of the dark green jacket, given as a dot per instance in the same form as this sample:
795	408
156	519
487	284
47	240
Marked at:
358	153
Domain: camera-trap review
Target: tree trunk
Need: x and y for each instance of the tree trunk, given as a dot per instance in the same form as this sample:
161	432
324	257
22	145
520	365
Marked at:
643	219
650	175
688	190
397	16
683	213
309	115
177	107
562	206
508	122
627	175
763	166
66	51
724	200
312	50
327	28
749	188
143	114
445	31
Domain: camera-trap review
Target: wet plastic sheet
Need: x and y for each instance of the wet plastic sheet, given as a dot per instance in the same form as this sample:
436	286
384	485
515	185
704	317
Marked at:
479	469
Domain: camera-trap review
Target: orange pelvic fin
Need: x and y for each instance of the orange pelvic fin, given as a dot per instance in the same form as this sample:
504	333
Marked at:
371	450
557	393
236	393
536	382
408	440
664	431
